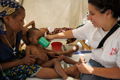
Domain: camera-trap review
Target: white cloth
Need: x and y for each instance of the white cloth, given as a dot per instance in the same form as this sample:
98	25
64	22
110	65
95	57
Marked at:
51	29
109	54
70	78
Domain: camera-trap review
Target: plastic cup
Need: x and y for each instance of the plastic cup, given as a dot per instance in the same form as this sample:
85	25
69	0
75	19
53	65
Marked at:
44	42
56	46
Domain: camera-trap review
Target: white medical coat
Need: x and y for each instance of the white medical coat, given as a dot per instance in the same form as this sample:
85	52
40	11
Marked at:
109	54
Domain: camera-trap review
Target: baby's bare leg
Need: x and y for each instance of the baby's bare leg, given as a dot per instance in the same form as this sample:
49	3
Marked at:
73	71
59	69
49	63
57	66
66	59
50	73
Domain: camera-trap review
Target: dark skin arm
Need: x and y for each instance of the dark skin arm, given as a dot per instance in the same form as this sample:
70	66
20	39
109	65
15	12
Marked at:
27	51
32	23
28	60
24	36
51	53
25	29
67	53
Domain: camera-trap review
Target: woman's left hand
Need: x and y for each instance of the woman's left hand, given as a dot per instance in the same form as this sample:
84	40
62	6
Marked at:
85	68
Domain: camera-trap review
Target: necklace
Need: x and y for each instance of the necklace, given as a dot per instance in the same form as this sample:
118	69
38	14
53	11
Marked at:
13	48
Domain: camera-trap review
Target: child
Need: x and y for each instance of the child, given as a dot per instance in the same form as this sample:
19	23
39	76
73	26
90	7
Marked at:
13	61
43	56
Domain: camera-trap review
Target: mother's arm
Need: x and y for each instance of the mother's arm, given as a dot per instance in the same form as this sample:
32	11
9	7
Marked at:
25	29
24	36
28	60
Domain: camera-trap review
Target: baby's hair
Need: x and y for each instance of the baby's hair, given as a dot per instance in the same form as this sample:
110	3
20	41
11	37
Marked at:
30	32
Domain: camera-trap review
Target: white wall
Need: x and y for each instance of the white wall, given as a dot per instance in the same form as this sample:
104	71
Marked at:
55	13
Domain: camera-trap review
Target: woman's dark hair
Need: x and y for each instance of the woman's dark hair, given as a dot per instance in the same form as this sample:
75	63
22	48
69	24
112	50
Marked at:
104	5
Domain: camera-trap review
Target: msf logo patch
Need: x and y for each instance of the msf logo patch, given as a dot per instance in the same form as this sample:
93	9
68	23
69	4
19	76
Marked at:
113	51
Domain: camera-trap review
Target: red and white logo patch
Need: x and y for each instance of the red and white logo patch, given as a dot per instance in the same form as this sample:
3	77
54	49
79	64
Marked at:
113	51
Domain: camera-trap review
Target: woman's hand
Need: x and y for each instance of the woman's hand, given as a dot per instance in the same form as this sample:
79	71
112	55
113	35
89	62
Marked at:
49	37
28	60
85	68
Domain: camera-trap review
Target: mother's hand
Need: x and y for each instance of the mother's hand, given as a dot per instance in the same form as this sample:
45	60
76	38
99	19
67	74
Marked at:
28	60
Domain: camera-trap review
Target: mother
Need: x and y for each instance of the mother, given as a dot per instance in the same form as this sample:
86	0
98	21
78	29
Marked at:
14	62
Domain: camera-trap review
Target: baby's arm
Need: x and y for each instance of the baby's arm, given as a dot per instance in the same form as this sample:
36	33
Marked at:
49	52
27	51
70	52
66	53
32	23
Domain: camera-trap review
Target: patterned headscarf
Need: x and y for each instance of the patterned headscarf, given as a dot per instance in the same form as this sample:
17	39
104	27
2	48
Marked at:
7	7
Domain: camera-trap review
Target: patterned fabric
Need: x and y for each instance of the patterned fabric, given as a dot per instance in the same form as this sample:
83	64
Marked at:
18	71
7	7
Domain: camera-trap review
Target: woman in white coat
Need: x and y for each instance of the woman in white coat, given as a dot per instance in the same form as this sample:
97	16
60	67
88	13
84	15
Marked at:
104	20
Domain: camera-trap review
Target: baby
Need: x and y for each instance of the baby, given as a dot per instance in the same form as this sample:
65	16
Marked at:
42	55
48	58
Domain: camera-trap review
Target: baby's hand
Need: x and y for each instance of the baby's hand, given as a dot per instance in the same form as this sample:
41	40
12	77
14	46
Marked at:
76	48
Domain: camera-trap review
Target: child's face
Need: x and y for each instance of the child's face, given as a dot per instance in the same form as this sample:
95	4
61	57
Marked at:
16	24
36	36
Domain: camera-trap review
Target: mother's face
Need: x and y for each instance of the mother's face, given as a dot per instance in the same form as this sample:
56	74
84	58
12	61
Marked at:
16	24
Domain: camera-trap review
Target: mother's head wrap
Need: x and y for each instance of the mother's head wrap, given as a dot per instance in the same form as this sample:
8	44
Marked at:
7	7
